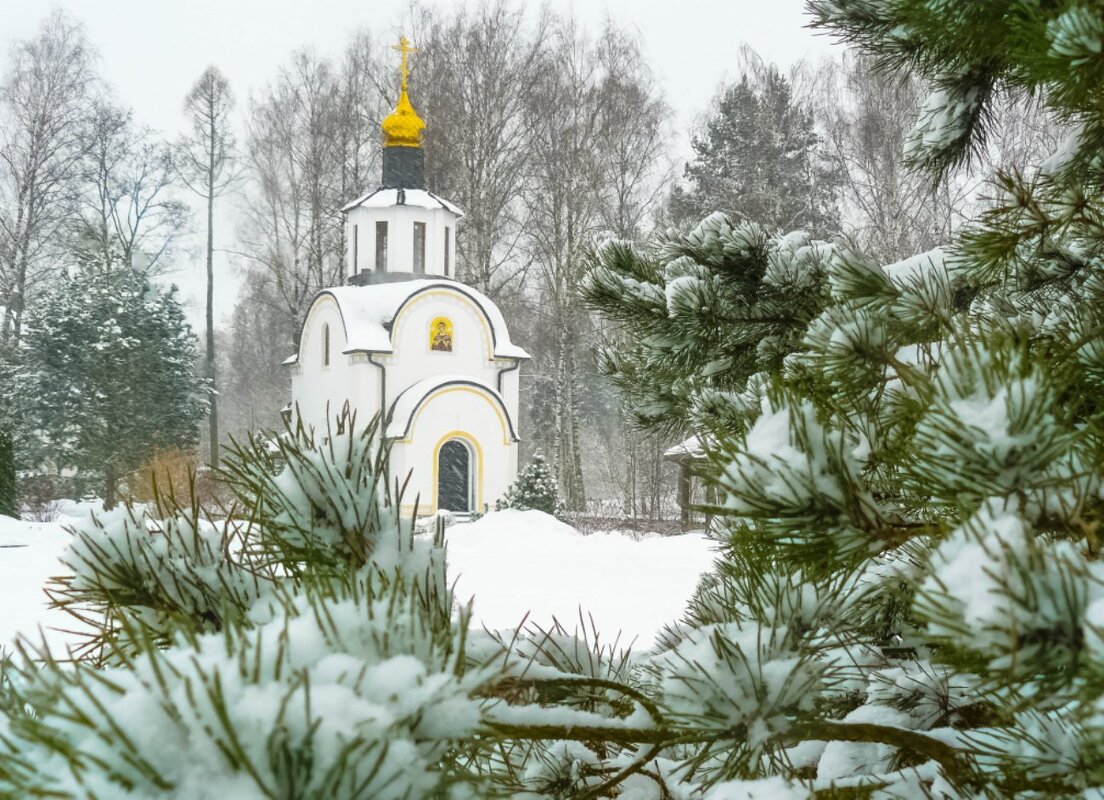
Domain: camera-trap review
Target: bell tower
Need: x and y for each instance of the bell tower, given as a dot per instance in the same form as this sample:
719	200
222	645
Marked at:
401	231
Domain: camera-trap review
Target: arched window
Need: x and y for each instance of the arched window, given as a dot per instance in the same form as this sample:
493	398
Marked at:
326	345
419	246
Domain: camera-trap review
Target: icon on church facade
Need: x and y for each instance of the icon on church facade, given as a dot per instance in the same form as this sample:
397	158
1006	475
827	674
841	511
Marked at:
440	335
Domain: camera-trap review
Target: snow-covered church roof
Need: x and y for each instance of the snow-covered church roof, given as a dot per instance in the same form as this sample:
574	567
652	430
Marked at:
419	198
368	311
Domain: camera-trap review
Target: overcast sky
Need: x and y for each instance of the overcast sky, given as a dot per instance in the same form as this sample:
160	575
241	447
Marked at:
151	51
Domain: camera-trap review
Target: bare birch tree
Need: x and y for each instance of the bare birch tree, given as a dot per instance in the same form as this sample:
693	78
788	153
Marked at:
889	210
473	77
595	135
44	101
128	200
293	221
637	169
634	140
362	105
866	116
563	198
207	167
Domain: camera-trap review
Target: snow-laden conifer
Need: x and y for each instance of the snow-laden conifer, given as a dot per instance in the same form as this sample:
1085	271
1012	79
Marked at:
534	488
106	374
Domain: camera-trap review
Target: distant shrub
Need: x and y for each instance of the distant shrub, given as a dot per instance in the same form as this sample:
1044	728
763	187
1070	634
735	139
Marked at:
535	488
169	473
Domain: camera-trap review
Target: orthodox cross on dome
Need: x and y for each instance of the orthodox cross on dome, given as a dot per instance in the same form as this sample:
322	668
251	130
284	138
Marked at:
404	47
403	127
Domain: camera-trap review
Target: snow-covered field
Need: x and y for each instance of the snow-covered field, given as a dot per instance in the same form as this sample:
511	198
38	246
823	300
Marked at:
28	556
515	562
511	562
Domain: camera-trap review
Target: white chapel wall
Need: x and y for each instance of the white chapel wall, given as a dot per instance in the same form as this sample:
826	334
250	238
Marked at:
414	358
361	224
347	377
456	412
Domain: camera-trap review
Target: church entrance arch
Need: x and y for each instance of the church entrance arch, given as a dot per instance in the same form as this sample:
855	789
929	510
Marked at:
455	470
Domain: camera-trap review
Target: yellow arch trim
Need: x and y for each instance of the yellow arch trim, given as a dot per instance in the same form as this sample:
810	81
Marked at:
488	336
477	451
482	395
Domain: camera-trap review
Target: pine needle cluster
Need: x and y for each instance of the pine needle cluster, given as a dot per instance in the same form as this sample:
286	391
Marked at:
700	312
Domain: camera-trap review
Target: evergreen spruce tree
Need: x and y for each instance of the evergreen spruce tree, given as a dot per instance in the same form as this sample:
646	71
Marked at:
760	159
534	488
106	374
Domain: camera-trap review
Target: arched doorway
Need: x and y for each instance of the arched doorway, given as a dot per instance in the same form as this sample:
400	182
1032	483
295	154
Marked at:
454	476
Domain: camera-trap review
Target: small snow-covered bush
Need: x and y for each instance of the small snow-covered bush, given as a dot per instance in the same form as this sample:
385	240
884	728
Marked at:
535	488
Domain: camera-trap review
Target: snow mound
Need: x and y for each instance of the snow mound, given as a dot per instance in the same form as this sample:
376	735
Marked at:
516	562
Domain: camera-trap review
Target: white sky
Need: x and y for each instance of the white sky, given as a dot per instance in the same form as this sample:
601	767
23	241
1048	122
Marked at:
151	51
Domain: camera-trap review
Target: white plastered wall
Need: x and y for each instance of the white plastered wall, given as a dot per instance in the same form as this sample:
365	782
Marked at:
361	223
472	349
349	377
456	412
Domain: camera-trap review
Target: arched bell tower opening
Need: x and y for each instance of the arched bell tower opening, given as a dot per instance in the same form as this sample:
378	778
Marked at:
456	470
400	231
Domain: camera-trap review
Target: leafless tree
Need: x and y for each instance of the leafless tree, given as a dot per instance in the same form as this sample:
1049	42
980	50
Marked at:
207	167
890	211
44	100
866	116
255	345
363	103
594	133
293	223
128	200
634	155
563	197
473	76
634	140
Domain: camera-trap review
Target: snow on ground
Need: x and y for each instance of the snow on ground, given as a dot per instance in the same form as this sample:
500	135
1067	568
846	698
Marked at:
513	562
28	556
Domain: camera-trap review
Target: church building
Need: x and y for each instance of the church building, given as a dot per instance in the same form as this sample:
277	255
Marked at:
406	339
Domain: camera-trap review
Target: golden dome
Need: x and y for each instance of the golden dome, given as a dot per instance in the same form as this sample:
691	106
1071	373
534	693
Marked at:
403	127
